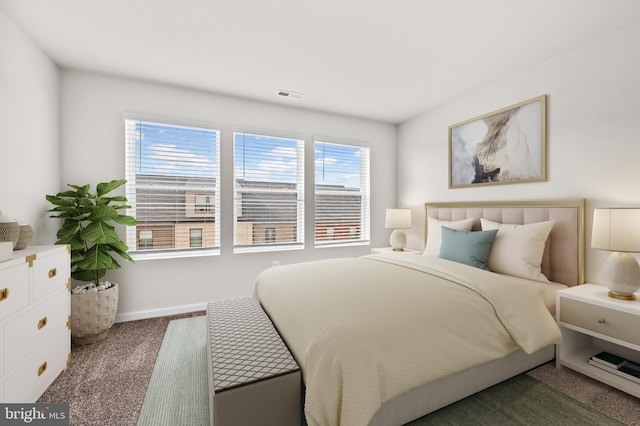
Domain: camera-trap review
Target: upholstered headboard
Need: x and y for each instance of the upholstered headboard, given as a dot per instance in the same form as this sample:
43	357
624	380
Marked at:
564	257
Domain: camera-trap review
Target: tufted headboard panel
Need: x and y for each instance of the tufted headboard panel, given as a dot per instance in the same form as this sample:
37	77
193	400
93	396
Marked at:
564	257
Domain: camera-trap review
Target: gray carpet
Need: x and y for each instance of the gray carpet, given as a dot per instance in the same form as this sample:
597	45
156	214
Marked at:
107	381
611	401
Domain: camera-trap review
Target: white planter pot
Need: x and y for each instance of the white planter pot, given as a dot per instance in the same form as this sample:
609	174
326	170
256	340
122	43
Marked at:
93	314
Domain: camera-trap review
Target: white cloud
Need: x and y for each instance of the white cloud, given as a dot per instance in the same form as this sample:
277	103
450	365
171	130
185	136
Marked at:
169	159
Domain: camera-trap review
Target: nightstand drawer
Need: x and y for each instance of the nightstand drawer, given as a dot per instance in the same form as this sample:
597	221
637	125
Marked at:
610	322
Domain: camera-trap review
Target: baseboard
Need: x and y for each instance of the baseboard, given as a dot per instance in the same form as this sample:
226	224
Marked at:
160	312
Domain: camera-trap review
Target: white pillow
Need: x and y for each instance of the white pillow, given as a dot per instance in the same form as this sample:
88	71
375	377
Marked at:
518	249
434	232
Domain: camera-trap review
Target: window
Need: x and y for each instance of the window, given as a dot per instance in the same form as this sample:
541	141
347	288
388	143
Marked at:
270	235
204	203
195	237
145	238
354	231
341	193
331	233
173	187
268	192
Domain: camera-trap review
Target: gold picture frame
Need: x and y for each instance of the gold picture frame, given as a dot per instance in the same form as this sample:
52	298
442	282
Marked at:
502	147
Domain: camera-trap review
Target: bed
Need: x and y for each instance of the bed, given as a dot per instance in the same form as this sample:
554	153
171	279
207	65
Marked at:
385	339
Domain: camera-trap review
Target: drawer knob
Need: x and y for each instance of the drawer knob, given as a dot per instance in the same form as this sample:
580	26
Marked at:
52	272
4	293
42	323
601	321
42	368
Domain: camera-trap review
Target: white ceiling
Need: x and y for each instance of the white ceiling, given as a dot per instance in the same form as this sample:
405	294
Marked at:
383	60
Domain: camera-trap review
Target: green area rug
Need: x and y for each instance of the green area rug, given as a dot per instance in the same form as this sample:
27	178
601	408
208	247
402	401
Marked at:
178	392
521	400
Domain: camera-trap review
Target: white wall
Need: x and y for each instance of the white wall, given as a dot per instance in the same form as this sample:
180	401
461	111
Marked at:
593	139
93	151
29	119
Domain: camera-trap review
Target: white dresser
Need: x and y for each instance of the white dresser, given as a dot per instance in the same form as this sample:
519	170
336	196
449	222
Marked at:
34	321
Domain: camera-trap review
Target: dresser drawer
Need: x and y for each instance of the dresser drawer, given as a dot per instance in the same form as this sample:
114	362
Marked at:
49	273
14	289
33	327
33	376
610	322
2	355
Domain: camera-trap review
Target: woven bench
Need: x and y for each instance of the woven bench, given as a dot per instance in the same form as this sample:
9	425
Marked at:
253	379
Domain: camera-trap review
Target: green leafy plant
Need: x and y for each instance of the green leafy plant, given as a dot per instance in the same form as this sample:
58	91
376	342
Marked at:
88	228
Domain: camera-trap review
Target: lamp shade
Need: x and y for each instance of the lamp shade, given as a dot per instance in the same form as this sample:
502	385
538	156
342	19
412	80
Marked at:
616	229
398	219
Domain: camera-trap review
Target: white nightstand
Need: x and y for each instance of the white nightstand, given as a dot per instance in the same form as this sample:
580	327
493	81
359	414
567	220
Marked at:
383	250
591	322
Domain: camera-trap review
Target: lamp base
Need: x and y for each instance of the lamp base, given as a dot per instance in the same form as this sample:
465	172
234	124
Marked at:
622	296
622	275
398	240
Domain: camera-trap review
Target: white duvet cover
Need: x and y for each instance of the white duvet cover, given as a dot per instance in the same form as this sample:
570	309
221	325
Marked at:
365	330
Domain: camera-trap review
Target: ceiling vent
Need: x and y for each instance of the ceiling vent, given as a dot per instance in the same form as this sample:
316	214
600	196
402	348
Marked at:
289	94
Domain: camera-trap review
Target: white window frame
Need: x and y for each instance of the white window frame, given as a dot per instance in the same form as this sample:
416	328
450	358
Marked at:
132	185
299	189
365	194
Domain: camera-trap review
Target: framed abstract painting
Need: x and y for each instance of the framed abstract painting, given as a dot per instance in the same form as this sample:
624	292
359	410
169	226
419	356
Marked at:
504	146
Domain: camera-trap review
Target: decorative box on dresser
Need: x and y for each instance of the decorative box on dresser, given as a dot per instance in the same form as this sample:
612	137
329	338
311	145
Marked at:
34	321
592	322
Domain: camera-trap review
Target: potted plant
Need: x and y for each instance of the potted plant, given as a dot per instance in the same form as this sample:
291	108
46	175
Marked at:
89	231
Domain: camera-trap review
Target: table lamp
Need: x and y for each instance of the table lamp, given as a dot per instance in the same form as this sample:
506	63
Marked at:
398	219
618	230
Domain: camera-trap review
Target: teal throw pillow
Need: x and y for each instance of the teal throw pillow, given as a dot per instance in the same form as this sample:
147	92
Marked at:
470	248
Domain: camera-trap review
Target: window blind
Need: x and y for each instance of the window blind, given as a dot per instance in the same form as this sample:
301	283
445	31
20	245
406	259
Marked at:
342	206
268	192
173	186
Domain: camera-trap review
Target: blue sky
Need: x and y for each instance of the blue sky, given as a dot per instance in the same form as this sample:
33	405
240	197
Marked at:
176	151
337	164
266	159
185	151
